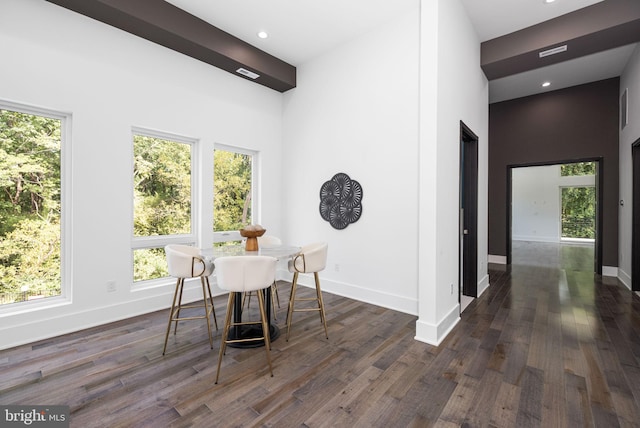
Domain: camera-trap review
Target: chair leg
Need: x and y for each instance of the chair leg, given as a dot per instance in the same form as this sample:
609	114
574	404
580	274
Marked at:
173	305
175	330
213	308
225	332
274	293
292	298
246	297
206	309
323	318
265	329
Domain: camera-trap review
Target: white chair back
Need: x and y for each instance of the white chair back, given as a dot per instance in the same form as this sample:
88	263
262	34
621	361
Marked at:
245	273
185	261
312	258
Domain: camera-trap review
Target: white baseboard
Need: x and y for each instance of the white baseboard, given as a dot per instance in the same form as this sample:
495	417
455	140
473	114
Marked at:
355	292
610	271
624	278
535	238
501	260
483	285
435	334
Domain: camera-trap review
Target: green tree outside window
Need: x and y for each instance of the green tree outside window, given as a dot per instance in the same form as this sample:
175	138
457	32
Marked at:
231	190
162	199
30	154
578	203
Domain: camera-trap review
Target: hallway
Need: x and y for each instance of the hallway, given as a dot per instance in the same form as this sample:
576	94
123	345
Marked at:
559	346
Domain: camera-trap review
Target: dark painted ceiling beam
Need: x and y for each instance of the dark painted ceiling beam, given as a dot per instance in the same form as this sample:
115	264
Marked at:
163	23
596	28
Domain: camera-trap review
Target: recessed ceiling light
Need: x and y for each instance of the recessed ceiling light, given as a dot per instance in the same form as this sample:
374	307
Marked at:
263	34
545	84
548	1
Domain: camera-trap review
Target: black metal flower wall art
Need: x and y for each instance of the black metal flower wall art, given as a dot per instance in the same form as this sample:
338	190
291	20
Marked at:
341	201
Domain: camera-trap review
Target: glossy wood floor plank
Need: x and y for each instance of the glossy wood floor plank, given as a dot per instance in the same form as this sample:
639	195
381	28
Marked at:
549	344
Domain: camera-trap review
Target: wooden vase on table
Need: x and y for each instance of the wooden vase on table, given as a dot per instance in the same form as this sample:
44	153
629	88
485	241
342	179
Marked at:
252	238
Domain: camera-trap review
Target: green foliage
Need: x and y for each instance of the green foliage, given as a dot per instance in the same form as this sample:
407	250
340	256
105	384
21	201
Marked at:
578	168
232	190
150	263
578	212
162	187
29	205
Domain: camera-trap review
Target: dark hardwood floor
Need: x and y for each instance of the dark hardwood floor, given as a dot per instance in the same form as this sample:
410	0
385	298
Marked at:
547	345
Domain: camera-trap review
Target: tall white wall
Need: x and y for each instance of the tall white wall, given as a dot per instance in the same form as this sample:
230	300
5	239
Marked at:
355	111
452	89
629	80
110	81
393	124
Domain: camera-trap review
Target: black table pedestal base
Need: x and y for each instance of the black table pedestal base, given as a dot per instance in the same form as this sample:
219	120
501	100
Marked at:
250	331
246	332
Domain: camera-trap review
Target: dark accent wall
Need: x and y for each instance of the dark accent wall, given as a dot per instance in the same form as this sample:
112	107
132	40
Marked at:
580	122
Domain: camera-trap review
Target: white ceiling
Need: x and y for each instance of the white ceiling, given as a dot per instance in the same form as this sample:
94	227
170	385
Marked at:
300	30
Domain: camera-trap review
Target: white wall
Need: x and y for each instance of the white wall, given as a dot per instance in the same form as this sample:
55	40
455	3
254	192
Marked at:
630	80
110	81
355	111
393	124
452	89
536	201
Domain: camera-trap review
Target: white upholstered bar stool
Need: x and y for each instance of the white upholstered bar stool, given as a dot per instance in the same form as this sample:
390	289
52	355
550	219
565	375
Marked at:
311	259
241	274
267	240
185	262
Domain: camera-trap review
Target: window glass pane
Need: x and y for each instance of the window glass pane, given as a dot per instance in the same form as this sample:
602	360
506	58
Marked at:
579	168
232	190
149	263
162	186
162	201
29	207
578	212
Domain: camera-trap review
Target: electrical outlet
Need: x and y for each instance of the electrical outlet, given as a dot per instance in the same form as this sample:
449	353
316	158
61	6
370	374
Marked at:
451	288
111	286
337	267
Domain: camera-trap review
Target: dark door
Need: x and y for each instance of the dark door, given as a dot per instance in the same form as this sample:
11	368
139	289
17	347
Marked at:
635	215
469	210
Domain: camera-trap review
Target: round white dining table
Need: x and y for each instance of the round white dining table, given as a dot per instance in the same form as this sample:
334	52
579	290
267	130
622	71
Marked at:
280	252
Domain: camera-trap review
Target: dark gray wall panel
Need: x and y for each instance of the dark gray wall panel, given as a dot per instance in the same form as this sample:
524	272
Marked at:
574	123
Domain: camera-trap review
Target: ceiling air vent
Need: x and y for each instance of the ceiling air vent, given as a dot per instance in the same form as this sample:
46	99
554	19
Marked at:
552	51
249	74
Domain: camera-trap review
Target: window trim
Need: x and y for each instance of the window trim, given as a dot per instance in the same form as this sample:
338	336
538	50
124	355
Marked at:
160	241
66	202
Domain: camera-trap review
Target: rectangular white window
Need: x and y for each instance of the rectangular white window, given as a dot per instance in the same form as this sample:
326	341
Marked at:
163	199
31	178
234	195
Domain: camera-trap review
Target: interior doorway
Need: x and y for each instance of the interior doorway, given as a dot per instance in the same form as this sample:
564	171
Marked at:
564	200
468	259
